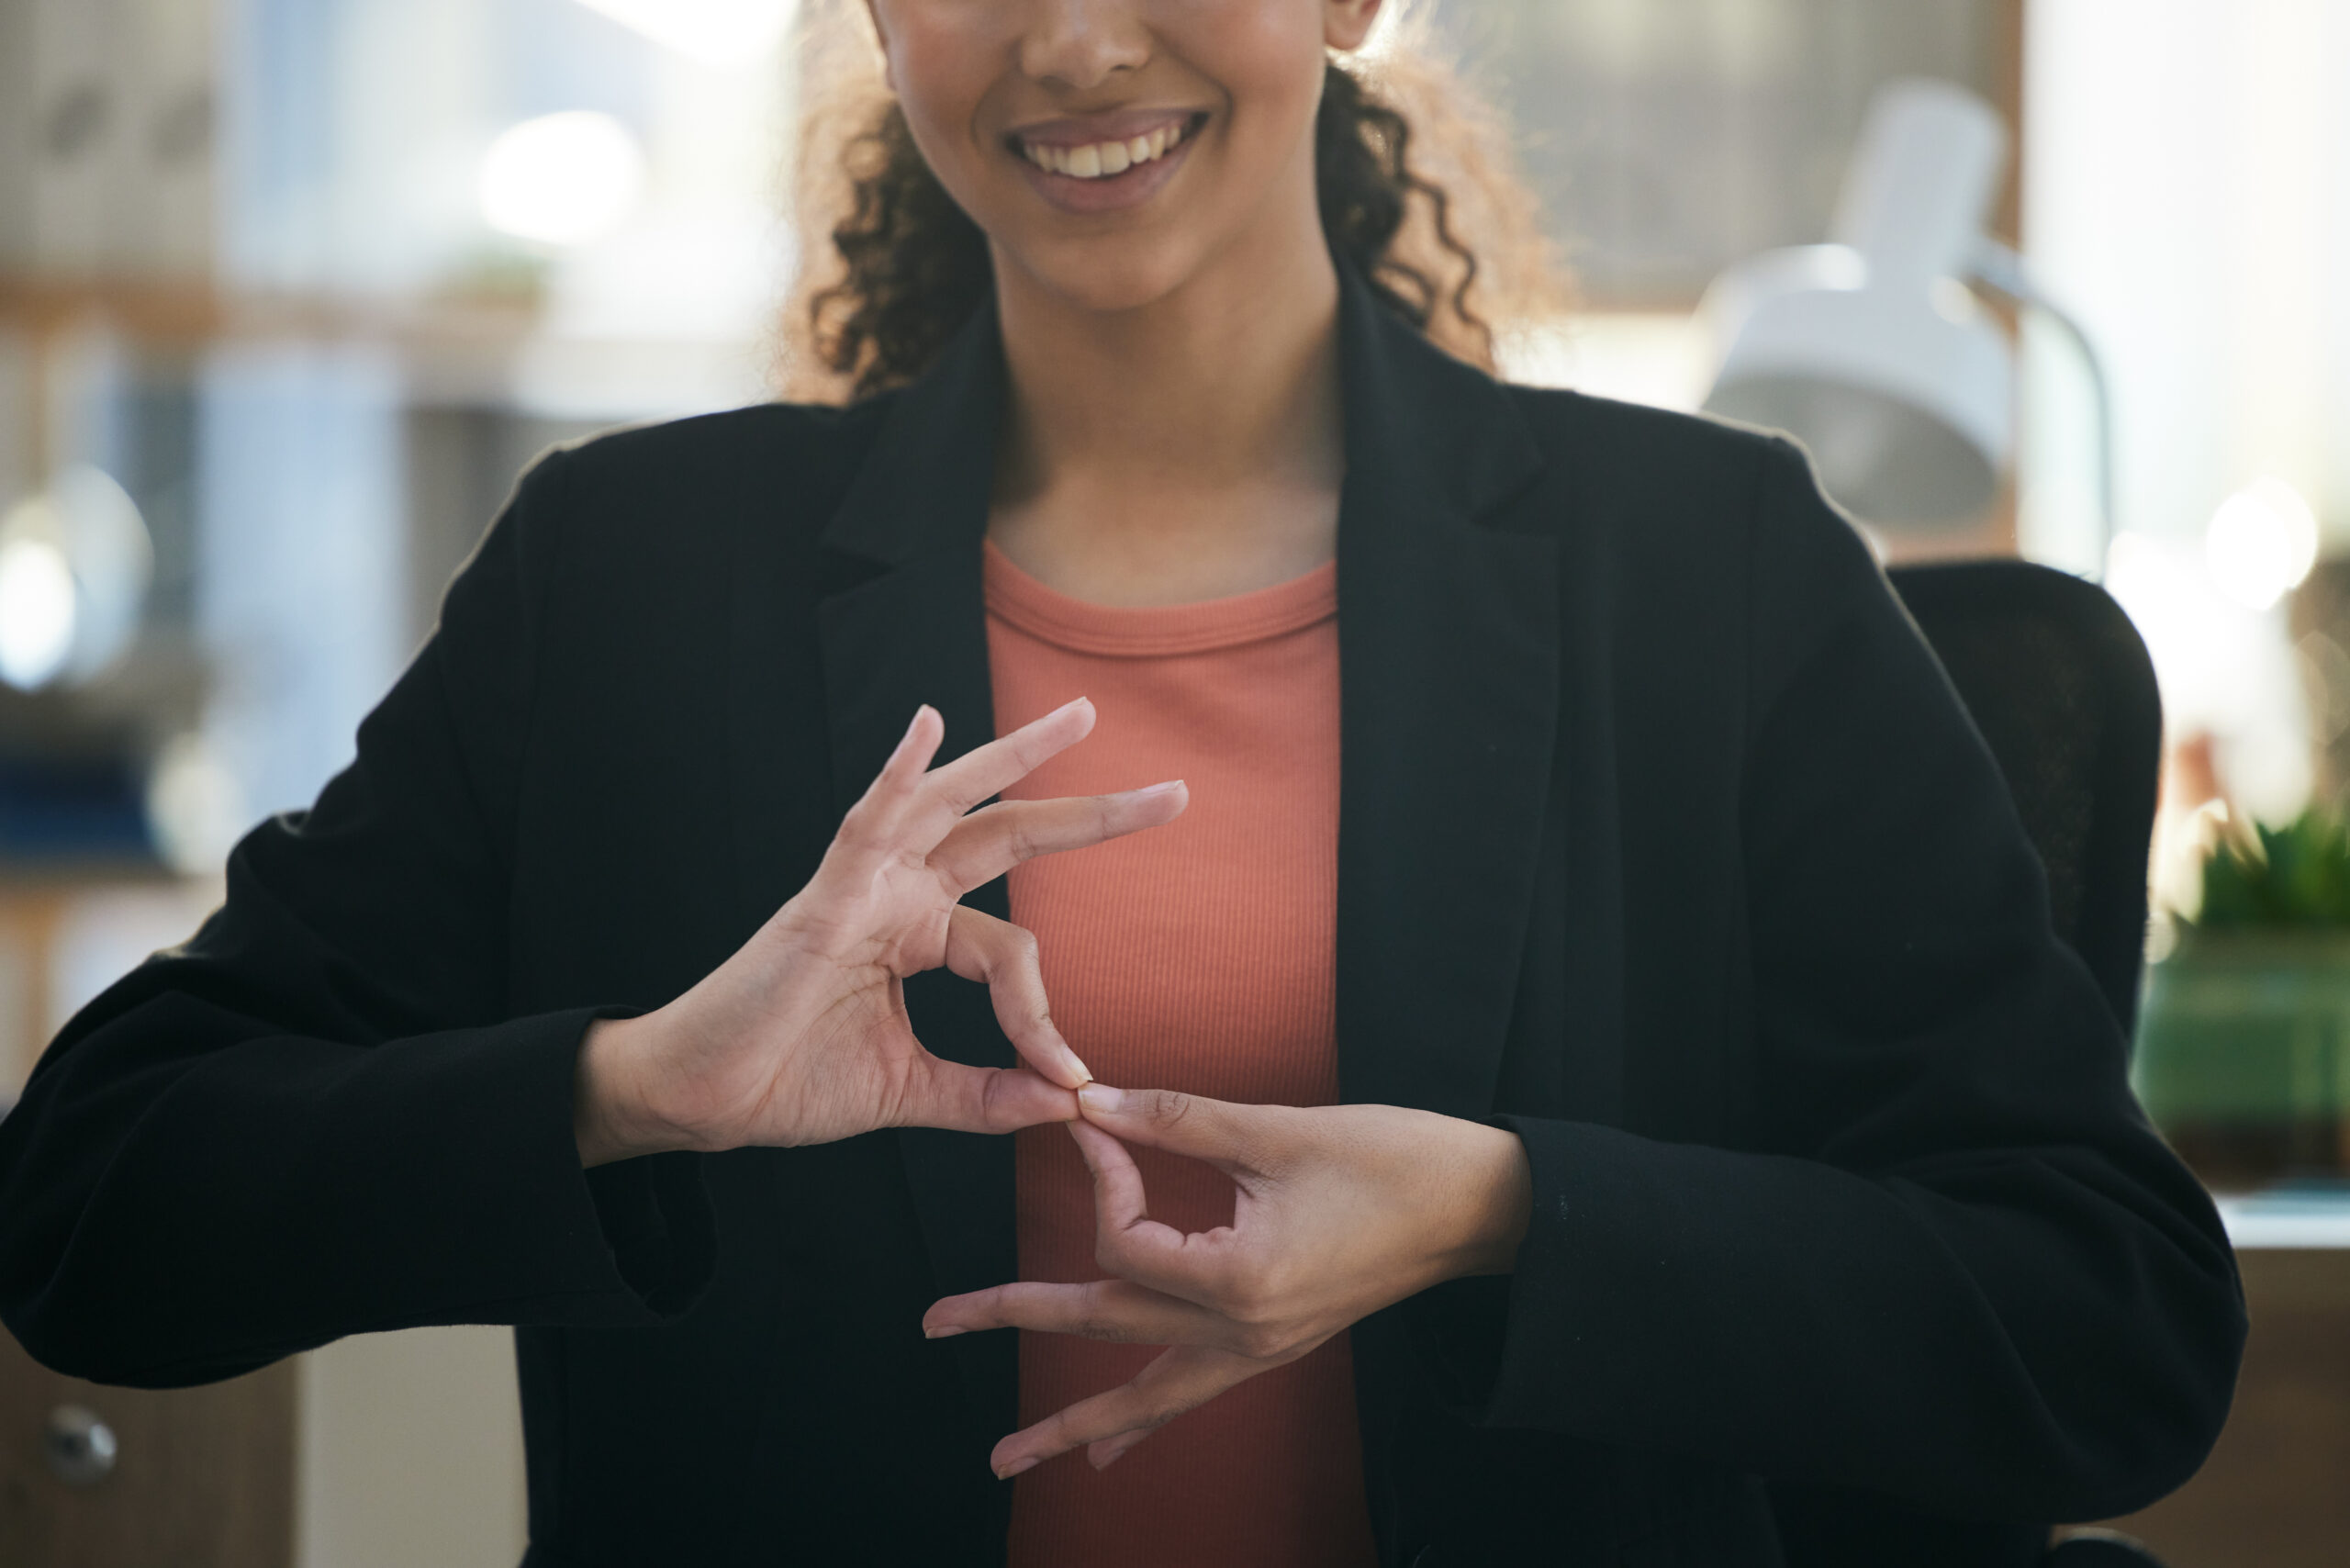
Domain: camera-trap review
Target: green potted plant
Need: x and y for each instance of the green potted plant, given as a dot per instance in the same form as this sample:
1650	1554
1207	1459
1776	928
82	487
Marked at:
2243	1044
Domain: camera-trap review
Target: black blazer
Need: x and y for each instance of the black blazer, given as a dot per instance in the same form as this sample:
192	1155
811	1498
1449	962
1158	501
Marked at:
1662	838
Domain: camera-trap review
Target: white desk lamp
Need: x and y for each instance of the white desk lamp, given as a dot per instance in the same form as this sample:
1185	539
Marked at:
1871	350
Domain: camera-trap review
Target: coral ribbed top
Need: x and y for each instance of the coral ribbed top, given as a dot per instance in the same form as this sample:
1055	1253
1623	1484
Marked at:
1201	956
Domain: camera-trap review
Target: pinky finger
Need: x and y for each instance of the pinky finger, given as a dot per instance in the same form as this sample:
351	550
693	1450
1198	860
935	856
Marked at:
1184	1378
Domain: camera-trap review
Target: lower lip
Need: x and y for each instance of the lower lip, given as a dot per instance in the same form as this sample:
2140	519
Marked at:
1113	193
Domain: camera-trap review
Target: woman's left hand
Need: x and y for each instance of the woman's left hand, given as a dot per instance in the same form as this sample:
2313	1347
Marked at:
1341	1210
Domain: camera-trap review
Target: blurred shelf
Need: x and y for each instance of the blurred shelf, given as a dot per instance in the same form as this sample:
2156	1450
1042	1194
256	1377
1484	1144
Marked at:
493	351
167	311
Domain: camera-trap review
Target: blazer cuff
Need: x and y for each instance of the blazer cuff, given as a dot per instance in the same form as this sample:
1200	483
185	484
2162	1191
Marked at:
1500	1351
652	1214
466	1158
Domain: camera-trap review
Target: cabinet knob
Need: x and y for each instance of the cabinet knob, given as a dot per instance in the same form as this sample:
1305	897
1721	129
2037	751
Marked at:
80	1447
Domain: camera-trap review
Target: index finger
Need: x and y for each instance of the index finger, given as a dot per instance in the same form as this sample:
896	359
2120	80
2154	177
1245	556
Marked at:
950	790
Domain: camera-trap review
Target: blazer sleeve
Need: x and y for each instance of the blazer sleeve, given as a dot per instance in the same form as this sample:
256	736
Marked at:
316	1118
1955	1265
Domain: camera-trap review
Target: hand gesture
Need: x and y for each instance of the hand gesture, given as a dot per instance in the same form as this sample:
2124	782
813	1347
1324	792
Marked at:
1340	1211
802	1036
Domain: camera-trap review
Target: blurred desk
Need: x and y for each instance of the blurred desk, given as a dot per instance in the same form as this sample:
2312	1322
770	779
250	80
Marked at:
2276	1492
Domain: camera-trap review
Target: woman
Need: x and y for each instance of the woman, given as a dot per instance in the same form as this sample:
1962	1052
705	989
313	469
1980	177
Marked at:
1684	1095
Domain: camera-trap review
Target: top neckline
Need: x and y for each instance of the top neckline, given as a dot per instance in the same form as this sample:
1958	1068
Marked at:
1154	630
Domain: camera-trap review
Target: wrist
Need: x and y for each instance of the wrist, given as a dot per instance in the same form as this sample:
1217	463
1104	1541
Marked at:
611	1118
1499	1202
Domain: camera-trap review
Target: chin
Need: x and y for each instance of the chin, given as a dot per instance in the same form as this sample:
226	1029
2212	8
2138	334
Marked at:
1107	278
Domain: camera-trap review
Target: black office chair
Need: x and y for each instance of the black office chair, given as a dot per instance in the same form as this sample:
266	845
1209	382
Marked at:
2058	682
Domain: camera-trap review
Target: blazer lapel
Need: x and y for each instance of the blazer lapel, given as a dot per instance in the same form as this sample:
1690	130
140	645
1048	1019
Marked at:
1449	659
904	623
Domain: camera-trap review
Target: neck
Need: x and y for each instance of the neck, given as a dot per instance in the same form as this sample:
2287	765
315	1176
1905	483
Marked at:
1182	449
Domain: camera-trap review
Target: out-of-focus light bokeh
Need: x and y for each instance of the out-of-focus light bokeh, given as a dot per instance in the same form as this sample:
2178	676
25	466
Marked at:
194	801
74	564
562	178
2261	543
36	609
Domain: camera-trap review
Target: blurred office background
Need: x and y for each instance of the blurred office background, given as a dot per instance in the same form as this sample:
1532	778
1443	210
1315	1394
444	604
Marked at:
290	290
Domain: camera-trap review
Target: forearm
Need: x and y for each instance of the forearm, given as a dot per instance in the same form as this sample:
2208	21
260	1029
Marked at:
189	1192
2005	1338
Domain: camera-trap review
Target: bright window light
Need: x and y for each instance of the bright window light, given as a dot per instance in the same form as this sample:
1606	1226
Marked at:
2261	543
717	32
37	612
563	178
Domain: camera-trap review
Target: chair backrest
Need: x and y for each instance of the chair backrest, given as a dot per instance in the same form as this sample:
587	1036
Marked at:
2058	682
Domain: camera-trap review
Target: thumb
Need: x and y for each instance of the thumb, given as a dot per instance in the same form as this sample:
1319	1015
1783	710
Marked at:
1217	1131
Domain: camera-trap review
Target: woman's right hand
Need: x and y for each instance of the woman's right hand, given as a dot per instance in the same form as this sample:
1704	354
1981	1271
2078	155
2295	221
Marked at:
802	1036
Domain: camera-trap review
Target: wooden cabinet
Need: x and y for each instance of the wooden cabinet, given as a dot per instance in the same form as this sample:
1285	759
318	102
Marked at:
201	1477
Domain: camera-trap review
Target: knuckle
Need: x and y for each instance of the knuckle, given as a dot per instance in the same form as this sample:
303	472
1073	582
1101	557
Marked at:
1019	835
1264	1341
1166	1107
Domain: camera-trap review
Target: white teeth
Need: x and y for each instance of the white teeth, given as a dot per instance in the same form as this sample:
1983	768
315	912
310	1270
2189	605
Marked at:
1101	160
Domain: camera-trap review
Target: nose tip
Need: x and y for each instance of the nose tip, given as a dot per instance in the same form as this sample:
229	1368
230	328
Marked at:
1078	45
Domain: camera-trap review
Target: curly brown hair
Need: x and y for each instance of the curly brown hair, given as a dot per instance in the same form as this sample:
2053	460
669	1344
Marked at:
1406	164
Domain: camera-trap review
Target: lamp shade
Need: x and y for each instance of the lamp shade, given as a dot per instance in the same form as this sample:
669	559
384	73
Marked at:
1869	350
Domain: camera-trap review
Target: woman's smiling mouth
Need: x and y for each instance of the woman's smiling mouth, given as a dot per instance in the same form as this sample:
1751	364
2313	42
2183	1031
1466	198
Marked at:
1098	160
1103	163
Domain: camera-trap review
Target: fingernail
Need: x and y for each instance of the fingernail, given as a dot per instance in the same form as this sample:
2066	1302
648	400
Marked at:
1166	789
1084	1074
1100	1098
944	1331
1017	1467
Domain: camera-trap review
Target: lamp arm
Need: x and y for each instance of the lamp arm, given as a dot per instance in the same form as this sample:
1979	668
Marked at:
1998	268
